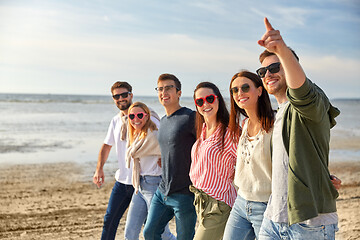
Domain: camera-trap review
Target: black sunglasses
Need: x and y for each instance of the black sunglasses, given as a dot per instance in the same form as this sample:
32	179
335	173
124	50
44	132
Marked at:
273	68
139	115
209	98
244	88
123	95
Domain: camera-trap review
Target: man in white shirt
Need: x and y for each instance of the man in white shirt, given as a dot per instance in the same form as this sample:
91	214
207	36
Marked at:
123	190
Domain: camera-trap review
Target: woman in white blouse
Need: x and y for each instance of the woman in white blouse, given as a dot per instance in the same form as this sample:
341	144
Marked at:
253	165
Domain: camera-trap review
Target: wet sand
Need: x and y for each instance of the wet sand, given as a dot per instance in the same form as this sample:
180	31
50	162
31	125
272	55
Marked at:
56	201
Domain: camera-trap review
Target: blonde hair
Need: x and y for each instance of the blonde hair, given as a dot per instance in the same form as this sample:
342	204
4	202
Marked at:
148	125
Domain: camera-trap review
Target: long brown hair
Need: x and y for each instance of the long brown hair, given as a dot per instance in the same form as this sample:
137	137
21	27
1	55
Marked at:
264	109
148	125
222	114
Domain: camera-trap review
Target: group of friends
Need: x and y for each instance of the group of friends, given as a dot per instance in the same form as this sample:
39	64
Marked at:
249	173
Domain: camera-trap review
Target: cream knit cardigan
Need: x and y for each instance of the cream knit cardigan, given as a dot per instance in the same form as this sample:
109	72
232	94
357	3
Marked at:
253	166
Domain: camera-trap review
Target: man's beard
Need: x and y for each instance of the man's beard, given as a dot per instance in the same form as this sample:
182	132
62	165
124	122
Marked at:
123	107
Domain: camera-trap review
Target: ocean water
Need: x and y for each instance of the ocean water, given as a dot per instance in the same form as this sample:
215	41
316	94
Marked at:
41	128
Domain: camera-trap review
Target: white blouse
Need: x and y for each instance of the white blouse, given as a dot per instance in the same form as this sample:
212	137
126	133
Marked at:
253	165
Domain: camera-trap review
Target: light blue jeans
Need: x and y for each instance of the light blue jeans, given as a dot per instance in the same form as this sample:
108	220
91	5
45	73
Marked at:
138	210
271	230
245	220
164	208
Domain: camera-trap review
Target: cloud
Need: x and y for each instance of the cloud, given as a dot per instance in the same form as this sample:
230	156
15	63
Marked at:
213	6
288	17
95	43
106	18
127	57
336	75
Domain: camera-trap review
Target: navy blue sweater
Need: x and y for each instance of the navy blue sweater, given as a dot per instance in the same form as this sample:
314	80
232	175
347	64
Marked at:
176	136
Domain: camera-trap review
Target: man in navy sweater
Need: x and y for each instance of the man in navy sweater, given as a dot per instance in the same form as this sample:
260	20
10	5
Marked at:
176	137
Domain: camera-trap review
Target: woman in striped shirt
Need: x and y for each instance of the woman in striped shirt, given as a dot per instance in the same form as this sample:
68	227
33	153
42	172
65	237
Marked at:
213	163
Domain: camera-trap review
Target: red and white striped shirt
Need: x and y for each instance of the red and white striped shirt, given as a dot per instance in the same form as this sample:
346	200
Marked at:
213	167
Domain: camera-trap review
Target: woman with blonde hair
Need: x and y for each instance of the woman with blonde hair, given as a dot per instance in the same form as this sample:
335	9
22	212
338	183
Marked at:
142	154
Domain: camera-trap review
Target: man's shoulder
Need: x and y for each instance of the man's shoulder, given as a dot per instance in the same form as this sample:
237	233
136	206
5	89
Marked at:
116	120
182	116
188	112
183	111
308	90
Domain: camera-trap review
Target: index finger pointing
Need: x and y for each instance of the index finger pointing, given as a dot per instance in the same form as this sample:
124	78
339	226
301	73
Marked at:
268	25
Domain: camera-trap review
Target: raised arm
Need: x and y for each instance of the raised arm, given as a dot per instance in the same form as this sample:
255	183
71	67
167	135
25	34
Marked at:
273	42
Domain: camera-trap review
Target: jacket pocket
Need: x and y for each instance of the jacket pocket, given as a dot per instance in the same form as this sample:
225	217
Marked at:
301	202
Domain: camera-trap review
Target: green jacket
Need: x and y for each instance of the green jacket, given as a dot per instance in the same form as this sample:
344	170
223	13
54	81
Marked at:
306	135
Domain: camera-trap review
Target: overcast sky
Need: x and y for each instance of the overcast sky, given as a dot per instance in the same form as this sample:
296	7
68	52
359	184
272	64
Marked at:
84	46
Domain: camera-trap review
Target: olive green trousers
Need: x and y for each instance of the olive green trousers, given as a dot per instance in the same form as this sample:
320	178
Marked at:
212	215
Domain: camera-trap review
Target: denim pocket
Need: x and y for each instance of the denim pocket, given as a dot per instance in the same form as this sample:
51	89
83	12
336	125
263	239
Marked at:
305	231
152	180
311	228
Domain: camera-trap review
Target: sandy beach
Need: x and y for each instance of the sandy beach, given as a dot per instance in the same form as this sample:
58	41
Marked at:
56	201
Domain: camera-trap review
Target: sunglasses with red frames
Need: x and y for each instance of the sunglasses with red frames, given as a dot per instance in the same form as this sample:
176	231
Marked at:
123	95
209	99
139	115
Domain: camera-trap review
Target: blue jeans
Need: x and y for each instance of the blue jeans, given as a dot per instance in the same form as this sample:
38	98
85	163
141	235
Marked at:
164	208
119	201
271	230
138	210
245	220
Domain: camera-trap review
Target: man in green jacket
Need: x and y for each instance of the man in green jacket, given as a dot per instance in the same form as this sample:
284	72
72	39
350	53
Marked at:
303	200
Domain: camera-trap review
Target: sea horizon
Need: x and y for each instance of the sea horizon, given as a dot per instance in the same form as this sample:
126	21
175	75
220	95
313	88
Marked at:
39	128
154	95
